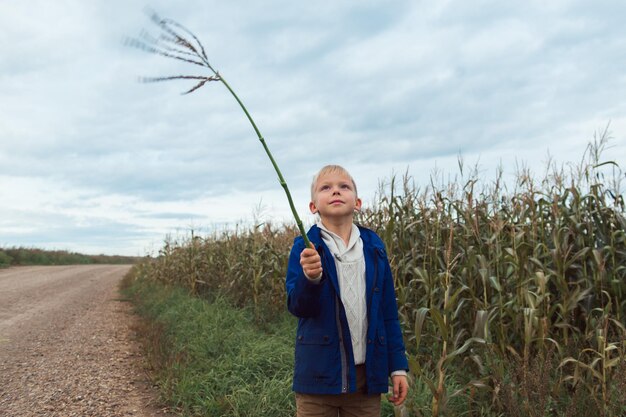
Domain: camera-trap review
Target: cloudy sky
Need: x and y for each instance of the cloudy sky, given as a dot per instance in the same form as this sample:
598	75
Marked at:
93	161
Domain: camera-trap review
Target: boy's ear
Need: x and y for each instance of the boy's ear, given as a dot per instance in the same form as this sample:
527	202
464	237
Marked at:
358	204
312	207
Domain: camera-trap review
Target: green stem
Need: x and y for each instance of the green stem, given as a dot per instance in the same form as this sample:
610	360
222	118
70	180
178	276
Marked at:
281	180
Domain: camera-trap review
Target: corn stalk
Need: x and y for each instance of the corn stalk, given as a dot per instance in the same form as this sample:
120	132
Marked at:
511	302
179	43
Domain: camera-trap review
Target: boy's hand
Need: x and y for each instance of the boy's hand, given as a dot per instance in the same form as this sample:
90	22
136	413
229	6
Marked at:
311	262
400	389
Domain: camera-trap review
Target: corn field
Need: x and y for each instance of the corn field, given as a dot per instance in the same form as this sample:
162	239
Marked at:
511	297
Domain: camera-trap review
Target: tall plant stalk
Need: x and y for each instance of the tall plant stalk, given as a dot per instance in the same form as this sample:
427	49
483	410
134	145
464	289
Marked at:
177	42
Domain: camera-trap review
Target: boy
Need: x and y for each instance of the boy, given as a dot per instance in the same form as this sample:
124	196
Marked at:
348	340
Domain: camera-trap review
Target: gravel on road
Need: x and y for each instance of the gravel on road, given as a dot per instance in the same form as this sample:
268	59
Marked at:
68	346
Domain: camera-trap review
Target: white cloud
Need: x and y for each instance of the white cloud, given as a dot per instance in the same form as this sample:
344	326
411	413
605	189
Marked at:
91	159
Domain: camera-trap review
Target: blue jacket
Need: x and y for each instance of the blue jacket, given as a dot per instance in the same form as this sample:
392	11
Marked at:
324	361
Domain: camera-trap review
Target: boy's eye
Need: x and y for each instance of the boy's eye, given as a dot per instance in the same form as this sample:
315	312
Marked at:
324	187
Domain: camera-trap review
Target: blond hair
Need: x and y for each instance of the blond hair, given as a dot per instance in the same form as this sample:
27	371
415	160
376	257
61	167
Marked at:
331	169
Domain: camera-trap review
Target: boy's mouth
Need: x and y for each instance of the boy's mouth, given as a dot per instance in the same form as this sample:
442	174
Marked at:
336	202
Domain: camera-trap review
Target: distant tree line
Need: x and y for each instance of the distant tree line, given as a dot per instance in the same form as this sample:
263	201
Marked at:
31	256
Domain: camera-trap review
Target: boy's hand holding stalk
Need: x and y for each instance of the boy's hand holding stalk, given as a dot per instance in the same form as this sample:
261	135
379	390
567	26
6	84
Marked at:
311	262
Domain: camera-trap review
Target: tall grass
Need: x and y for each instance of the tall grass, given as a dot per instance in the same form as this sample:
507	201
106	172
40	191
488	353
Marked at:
511	295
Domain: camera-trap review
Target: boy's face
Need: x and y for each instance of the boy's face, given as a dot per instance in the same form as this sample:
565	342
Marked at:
334	197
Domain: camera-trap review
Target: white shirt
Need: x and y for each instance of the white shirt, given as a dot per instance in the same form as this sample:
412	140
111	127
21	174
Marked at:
350	265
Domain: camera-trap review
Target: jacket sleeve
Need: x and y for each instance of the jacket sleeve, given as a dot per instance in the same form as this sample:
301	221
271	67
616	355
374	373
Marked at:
396	352
303	296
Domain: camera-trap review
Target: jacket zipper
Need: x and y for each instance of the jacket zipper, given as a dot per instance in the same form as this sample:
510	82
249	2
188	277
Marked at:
342	347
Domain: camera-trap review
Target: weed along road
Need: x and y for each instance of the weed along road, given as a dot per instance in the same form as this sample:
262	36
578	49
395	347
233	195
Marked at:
67	345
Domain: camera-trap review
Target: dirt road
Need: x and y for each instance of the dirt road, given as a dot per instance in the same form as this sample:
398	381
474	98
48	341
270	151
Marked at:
67	345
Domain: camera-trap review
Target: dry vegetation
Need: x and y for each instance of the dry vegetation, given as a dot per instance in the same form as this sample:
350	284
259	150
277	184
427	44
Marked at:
512	300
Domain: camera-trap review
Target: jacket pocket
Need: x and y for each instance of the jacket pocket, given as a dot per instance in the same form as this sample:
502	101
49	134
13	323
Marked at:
381	338
316	360
381	356
313	339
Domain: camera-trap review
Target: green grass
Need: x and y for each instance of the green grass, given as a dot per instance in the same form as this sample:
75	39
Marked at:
213	359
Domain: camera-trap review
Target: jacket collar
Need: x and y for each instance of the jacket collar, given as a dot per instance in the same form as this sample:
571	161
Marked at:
371	244
315	236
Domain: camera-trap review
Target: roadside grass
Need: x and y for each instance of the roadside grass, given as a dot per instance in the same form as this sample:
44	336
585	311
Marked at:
210	358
